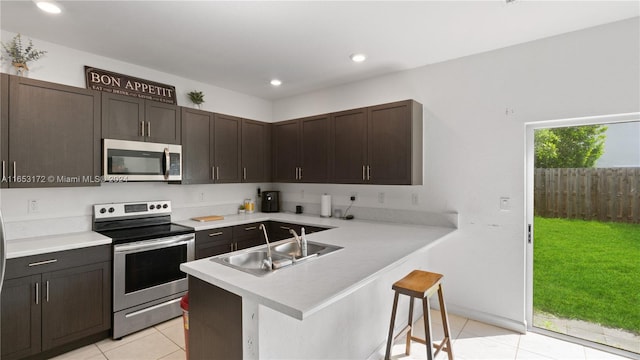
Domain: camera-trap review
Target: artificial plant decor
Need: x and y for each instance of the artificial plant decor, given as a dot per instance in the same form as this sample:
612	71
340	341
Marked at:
20	55
196	97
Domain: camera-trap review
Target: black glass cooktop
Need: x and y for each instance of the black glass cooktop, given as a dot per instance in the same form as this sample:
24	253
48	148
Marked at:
120	236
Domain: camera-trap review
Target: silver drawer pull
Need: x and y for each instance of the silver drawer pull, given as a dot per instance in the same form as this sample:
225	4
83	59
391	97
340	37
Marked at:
284	228
37	293
216	233
250	228
43	262
47	292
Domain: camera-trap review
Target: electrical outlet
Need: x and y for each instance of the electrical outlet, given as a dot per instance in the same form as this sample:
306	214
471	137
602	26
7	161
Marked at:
414	199
33	206
505	204
201	196
352	198
381	197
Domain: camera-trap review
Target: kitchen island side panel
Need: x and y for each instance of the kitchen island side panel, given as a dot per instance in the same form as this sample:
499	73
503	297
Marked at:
215	322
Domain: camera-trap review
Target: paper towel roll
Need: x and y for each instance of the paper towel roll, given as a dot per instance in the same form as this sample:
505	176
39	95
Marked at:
325	206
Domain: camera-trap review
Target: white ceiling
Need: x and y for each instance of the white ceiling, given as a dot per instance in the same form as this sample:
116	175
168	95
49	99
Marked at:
241	45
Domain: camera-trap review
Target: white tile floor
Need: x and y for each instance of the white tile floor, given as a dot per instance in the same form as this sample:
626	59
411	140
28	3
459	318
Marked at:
472	340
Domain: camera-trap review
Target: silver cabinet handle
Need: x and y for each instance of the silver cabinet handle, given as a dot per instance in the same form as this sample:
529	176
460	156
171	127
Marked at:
217	172
363	174
368	172
167	162
216	234
285	228
15	172
300	174
148	128
4	170
141	128
37	293
231	246
43	262
244	173
213	173
250	228
47	292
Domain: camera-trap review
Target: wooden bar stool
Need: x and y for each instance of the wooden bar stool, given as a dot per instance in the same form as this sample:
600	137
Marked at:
420	284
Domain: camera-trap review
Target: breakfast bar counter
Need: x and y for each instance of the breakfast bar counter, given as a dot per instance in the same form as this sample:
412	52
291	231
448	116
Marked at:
295	311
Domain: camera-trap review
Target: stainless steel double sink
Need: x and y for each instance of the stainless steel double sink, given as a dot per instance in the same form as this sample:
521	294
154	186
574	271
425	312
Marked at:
282	255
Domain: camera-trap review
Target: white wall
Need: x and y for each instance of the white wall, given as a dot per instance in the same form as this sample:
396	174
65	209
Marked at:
474	146
67	210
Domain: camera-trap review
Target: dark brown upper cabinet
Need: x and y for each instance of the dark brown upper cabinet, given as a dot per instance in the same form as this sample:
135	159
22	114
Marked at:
130	118
197	147
226	152
256	151
55	134
377	145
301	150
4	128
211	147
348	148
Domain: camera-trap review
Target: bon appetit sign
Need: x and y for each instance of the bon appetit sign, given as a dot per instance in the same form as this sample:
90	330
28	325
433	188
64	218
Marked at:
108	81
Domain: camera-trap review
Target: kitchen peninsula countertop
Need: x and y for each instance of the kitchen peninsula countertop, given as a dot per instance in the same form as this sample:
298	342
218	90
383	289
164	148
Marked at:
369	250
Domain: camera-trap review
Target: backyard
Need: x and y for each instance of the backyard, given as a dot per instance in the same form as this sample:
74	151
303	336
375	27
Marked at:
588	270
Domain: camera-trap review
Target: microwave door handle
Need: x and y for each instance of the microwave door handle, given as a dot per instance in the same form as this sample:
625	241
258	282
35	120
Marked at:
167	163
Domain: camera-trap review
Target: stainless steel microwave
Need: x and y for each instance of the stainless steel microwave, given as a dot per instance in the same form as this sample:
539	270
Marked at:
141	161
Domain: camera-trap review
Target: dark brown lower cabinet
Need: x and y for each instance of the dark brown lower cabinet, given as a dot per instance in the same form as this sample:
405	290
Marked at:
45	311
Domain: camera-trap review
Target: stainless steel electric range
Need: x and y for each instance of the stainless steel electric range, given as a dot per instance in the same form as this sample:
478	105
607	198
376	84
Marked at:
147	252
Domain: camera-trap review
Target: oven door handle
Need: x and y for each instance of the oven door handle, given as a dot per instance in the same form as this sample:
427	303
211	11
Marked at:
155	244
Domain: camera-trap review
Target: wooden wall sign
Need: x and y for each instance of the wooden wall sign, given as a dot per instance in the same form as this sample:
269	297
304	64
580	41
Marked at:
108	81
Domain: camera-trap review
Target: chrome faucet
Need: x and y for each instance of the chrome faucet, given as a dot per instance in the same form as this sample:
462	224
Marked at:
295	235
267	262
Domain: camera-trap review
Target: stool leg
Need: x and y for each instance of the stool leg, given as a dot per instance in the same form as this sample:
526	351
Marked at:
407	350
393	320
445	322
427	327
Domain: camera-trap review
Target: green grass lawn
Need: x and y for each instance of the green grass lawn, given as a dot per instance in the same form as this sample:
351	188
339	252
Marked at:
588	270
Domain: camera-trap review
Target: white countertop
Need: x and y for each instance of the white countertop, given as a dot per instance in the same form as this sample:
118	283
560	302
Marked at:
51	243
300	290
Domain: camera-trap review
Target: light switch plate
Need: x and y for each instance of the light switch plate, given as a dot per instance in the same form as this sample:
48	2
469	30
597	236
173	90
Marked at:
505	203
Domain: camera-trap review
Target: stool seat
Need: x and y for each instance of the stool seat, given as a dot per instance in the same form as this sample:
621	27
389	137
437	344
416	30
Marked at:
421	284
417	283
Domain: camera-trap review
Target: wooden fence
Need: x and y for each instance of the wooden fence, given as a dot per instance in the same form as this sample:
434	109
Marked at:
606	194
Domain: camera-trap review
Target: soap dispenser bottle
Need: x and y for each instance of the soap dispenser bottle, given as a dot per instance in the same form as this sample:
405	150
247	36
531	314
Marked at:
304	243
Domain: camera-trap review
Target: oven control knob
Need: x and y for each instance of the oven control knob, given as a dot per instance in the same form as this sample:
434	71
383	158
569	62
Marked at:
111	209
165	206
103	210
151	207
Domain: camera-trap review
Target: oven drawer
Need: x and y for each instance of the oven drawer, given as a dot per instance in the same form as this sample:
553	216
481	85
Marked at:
36	264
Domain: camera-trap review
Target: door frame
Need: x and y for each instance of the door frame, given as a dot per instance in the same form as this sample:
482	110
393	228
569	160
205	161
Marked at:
530	128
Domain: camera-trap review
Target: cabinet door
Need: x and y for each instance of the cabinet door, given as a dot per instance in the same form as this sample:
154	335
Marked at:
76	302
395	144
55	134
314	149
248	235
348	151
255	151
226	150
213	242
21	314
4	128
197	149
162	123
285	138
122	117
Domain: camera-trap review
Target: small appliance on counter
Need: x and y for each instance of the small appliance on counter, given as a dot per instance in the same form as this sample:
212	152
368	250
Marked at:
270	201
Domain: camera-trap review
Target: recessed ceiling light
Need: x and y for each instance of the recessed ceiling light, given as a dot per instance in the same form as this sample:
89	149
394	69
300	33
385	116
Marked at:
358	57
49	7
276	82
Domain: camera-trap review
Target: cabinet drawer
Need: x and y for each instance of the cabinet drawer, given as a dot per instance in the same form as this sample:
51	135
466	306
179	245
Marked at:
36	264
205	237
246	231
